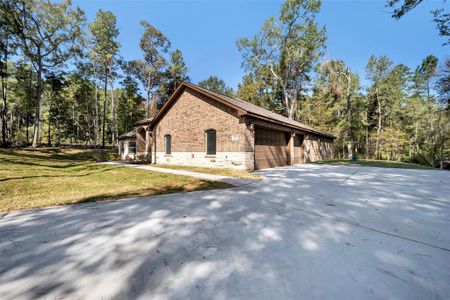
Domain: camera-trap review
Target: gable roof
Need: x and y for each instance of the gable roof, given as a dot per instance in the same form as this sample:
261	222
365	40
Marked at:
128	135
243	108
144	121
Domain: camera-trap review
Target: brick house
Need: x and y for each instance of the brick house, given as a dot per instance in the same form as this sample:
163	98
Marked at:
197	127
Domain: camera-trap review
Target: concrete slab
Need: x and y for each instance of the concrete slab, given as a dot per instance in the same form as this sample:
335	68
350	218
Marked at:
312	232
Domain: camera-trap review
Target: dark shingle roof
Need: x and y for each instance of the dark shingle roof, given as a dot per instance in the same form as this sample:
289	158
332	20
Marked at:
262	112
128	135
144	121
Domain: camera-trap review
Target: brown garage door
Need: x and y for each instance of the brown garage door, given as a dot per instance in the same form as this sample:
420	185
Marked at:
270	148
299	149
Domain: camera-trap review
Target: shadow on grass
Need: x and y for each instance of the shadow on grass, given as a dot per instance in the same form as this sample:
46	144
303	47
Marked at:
59	175
58	154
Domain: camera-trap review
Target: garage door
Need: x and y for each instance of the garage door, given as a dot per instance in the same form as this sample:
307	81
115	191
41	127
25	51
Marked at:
299	149
270	148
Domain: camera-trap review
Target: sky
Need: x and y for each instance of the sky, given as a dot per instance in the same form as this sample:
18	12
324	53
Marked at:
206	31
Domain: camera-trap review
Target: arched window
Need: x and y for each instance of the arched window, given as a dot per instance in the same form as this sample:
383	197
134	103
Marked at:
210	142
168	144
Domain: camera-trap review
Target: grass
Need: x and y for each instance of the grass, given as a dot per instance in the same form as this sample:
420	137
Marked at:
38	178
373	163
223	172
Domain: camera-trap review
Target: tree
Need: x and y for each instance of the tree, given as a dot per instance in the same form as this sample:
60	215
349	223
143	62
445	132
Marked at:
23	96
287	47
6	46
177	70
104	50
48	35
80	93
215	84
443	83
150	71
251	90
130	106
426	72
378	70
175	74
441	18
342	84
58	107
443	89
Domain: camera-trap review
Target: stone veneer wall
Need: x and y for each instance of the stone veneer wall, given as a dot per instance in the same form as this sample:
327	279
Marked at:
187	121
228	160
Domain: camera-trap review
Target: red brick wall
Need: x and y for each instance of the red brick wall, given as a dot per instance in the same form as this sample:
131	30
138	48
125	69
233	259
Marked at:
191	115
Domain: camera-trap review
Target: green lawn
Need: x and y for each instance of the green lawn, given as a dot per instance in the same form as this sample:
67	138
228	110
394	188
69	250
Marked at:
45	177
223	172
373	163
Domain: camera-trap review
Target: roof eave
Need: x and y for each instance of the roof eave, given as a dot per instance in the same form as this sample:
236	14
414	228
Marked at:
256	116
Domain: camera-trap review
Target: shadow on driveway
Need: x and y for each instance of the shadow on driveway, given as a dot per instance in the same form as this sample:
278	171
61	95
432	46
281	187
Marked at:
324	232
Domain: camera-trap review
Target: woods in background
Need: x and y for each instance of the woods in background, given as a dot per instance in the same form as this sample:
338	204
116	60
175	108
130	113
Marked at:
58	74
401	114
64	82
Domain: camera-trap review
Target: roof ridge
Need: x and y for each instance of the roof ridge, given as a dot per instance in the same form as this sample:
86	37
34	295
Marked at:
271	114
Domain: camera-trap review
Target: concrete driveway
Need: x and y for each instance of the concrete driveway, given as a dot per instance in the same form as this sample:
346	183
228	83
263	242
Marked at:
311	232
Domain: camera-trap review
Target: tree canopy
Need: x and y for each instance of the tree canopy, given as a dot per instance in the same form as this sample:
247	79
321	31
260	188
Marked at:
63	81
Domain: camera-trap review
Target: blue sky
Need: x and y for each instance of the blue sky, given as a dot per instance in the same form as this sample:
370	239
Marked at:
206	31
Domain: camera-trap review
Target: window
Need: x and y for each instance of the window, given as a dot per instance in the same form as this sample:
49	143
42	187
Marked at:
131	147
211	142
122	148
168	144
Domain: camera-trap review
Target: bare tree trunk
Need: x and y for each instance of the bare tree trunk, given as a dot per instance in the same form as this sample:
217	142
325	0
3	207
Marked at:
350	145
289	104
104	111
416	136
72	136
28	125
441	164
367	143
37	117
4	113
113	108
367	135
439	131
49	140
147	105
96	131
377	145
12	125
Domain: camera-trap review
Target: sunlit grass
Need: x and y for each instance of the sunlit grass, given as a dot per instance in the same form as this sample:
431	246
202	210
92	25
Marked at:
47	177
214	171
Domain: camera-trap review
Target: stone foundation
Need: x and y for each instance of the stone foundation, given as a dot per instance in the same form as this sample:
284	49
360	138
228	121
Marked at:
222	160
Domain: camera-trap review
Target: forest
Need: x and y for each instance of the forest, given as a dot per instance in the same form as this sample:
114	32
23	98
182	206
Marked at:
63	82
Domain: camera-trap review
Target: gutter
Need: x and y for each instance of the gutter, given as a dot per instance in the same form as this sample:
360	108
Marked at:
290	125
